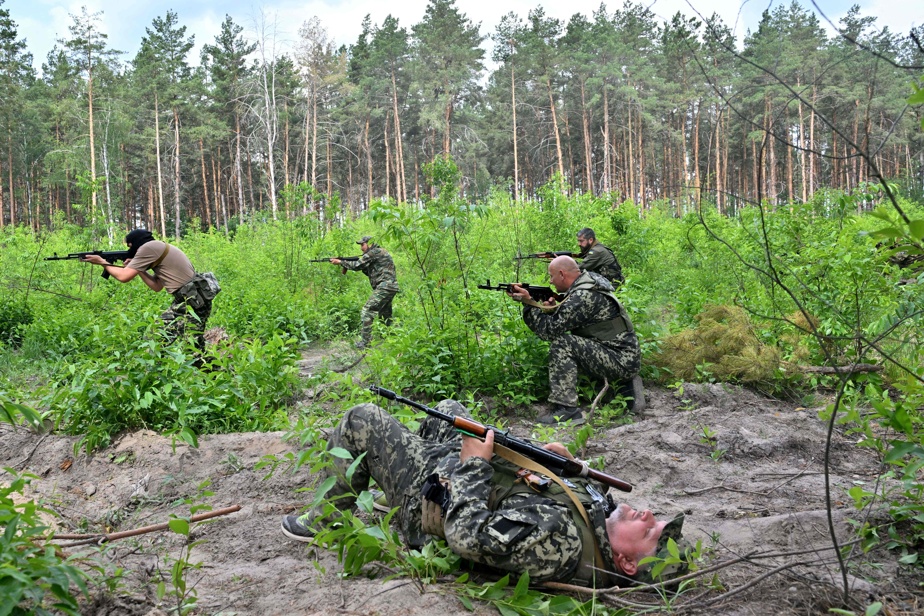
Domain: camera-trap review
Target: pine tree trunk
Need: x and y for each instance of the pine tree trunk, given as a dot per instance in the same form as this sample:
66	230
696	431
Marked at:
588	159
552	106
388	165
368	162
516	158
239	169
176	173
607	163
160	176
205	187
400	180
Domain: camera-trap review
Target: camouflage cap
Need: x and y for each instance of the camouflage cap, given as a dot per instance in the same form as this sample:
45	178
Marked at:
365	239
673	530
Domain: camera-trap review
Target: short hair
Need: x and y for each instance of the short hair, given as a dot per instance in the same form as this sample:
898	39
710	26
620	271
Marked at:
587	233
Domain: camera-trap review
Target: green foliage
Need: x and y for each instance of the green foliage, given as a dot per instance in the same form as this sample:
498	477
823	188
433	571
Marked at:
108	388
13	316
34	580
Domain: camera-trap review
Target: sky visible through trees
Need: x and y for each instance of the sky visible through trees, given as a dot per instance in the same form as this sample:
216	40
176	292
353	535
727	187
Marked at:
675	114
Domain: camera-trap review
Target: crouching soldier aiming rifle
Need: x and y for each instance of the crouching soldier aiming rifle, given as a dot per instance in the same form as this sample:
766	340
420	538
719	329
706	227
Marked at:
172	270
511	516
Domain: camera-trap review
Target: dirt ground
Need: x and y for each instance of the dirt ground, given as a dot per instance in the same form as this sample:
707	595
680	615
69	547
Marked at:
755	488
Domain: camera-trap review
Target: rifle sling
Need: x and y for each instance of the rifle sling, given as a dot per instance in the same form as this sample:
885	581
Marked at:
161	257
529	464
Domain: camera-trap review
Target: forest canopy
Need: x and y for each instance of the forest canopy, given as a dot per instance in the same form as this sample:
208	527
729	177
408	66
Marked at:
615	103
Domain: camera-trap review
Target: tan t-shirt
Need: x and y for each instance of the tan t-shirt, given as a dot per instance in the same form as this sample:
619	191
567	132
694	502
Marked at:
174	271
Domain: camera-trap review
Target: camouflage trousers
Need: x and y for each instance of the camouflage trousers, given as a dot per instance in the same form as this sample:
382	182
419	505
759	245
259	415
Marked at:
569	354
379	303
398	460
181	318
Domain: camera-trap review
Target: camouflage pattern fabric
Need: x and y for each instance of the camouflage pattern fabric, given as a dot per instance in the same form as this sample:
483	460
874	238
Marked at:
602	260
523	532
397	459
378	265
379	303
618	359
178	321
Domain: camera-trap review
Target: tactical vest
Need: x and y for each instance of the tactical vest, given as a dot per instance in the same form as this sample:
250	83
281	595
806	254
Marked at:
505	484
604	330
611	271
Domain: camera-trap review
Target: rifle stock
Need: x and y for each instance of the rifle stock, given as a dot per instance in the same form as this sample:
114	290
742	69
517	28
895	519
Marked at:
559	464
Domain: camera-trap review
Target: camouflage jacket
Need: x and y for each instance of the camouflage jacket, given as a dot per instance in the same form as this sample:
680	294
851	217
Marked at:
378	265
602	260
589	301
525	532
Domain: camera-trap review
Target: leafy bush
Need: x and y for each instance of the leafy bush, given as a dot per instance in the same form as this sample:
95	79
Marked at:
33	579
13	316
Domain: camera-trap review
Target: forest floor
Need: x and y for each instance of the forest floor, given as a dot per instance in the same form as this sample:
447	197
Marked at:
754	488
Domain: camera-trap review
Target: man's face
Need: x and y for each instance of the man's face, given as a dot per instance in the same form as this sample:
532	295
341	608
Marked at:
584	242
634	534
364	247
557	280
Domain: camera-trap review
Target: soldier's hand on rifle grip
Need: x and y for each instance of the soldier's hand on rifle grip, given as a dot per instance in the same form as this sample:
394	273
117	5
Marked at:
474	447
519	294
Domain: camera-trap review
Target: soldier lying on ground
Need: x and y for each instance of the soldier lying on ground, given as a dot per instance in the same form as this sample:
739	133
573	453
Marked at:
492	519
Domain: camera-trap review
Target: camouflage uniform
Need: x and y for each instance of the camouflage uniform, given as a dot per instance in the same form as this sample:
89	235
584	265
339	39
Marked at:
178	320
589	331
598	258
514	530
378	265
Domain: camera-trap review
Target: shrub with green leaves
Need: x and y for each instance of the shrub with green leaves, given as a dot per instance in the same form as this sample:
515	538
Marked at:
34	578
13	316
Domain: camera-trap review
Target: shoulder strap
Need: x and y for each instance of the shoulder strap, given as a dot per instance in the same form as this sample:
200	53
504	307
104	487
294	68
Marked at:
527	463
161	257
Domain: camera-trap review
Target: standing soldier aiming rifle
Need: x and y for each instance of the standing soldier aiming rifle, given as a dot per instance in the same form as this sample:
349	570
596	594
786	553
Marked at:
378	265
172	270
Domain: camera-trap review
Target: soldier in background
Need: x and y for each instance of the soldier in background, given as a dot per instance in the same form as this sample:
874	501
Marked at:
598	258
590	332
490	518
378	265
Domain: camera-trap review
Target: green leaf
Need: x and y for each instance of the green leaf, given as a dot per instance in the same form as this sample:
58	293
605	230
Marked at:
179	526
189	437
909	559
917	229
874	608
917	98
340	452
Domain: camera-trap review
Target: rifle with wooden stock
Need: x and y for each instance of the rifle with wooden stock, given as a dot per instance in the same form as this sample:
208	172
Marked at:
558	464
549	254
110	256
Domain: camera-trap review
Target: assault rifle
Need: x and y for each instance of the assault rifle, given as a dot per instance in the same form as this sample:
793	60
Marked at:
550	254
327	259
110	256
557	463
540	294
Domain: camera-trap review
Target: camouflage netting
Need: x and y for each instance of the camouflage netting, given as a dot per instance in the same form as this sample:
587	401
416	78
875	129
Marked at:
724	344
